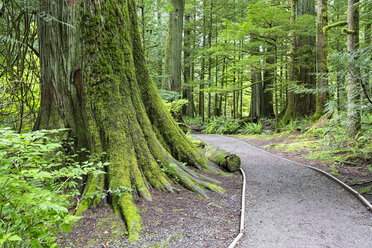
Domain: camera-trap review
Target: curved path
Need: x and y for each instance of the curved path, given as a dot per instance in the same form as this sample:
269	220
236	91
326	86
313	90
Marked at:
289	205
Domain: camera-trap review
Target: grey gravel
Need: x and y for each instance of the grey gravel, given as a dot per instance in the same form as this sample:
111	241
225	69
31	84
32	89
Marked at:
289	205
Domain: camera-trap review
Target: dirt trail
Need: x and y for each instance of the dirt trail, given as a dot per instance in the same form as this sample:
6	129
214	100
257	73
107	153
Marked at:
288	205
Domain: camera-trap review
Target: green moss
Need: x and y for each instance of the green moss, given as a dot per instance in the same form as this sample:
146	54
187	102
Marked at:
141	134
309	145
334	25
347	31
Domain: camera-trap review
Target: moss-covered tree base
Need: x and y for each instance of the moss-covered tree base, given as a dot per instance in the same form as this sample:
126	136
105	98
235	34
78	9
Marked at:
96	82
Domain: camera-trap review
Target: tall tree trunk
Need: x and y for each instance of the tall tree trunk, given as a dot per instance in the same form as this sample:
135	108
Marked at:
256	88
321	59
174	45
290	110
210	26
96	83
353	95
187	91
367	71
268	107
305	102
160	51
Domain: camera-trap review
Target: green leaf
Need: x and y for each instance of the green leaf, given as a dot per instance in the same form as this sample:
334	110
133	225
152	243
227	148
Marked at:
14	238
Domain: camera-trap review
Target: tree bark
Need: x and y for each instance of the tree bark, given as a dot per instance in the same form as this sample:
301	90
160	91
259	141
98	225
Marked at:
267	105
321	59
305	102
290	110
187	91
96	83
174	46
303	65
353	95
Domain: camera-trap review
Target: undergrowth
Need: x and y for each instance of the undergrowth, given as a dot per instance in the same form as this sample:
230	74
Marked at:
39	179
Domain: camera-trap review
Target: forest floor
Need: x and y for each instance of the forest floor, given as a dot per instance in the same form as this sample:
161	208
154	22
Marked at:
299	149
182	219
179	219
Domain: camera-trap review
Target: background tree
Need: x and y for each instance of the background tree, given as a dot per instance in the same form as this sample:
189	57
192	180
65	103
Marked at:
174	46
321	59
353	95
19	68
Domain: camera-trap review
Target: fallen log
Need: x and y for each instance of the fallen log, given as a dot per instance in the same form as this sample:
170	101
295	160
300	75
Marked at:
222	158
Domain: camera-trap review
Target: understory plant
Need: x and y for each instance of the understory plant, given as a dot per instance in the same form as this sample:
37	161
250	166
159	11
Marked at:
39	177
339	146
251	128
222	125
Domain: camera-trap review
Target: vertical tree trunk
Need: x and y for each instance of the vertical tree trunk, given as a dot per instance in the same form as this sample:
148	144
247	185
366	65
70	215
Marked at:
290	110
160	51
268	107
174	45
367	71
96	83
305	103
321	58
353	95
187	91
256	88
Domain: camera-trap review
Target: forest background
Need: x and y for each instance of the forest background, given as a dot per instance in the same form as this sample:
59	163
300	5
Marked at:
269	69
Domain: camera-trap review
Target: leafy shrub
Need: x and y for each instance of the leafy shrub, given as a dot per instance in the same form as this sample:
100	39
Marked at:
37	185
175	106
222	125
294	125
251	128
193	121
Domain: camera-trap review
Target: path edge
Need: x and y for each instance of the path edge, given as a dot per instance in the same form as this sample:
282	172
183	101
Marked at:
361	198
242	213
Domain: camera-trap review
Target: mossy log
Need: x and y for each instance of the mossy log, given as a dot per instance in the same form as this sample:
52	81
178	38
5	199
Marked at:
222	158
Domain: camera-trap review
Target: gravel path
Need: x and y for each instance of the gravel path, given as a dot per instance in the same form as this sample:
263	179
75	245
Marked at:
288	205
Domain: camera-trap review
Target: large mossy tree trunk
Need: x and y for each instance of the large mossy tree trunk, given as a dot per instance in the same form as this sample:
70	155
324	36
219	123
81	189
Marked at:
96	83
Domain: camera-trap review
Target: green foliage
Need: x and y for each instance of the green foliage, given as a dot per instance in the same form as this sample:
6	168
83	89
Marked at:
38	180
338	146
176	105
293	125
169	96
251	128
193	121
222	125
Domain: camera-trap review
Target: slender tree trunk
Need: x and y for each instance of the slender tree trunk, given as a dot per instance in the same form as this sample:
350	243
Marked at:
321	58
96	83
353	95
268	107
222	84
290	110
160	51
256	89
367	71
275	81
187	91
